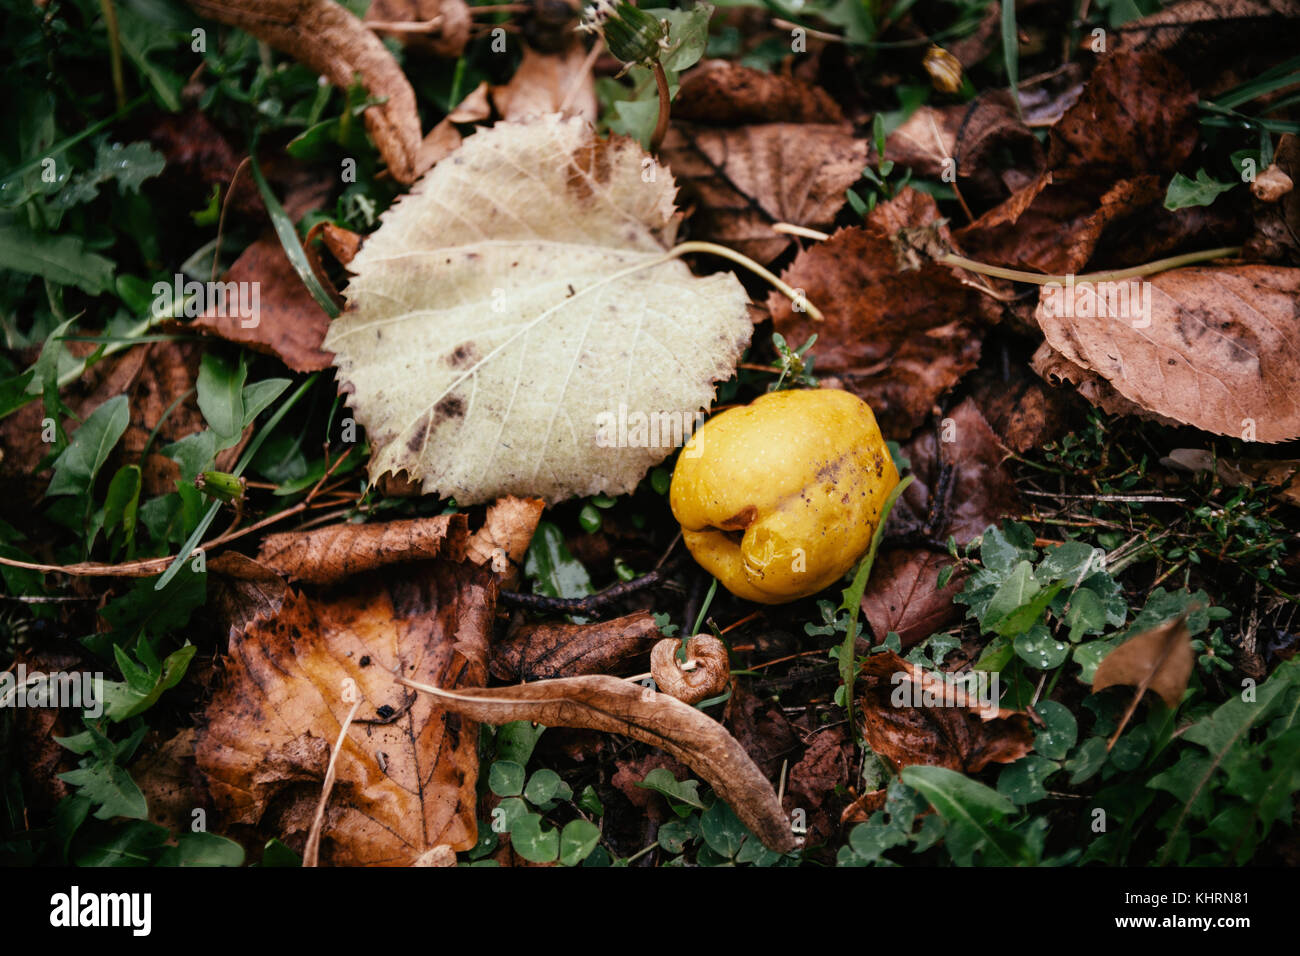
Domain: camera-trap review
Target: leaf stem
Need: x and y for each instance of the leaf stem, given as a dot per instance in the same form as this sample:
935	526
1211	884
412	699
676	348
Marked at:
796	297
665	105
1114	275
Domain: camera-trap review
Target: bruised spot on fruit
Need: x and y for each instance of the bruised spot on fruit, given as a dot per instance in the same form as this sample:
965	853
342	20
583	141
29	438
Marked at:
741	520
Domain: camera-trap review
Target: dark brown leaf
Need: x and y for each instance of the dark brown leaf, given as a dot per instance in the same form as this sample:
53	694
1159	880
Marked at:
744	179
955	737
898	340
543	651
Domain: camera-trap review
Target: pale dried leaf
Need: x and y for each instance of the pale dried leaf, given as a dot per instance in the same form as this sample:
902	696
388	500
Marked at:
515	297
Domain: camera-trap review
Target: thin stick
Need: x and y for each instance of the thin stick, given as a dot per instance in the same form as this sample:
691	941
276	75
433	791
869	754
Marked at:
311	852
687	248
790	229
1116	275
114	51
221	221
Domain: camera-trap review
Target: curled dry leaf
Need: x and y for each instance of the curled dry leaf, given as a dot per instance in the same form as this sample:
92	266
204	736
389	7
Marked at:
544	651
705	673
406	773
744	179
861	809
1215	348
913	716
898	340
1158	660
507	531
514	302
443	25
600	702
325	36
332	554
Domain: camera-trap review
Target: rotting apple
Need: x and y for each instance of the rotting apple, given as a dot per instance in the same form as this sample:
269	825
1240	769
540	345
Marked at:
779	498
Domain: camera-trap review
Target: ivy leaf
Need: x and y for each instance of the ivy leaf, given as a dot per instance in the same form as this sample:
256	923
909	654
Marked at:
515	303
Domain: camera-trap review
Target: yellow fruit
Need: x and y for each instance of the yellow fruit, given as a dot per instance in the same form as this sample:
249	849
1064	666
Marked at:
780	498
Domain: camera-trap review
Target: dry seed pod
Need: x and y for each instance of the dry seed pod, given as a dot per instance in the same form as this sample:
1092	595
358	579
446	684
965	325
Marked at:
705	673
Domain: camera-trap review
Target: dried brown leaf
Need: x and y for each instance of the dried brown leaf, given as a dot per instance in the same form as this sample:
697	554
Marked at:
288	323
1218	350
721	93
600	702
744	179
970	140
903	595
1158	660
898	340
543	651
547	82
406	773
982	491
1108	158
956	737
1219	43
326	37
331	554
